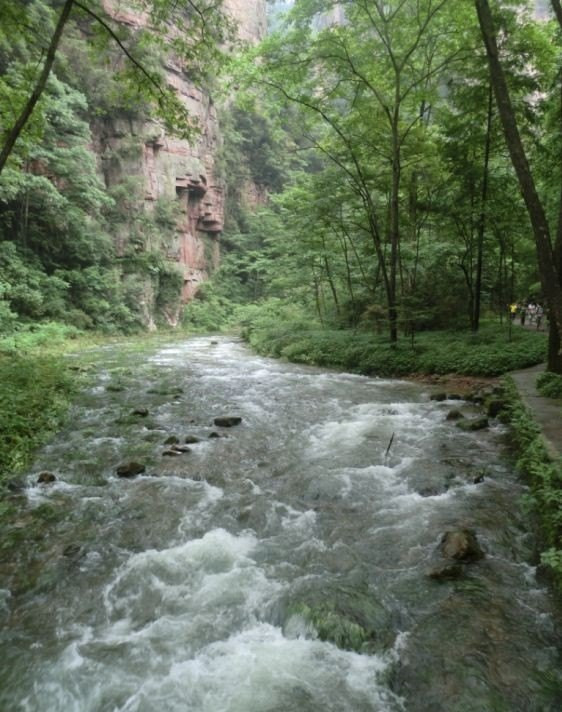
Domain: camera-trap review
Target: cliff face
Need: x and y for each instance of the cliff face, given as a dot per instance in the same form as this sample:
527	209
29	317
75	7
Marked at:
172	169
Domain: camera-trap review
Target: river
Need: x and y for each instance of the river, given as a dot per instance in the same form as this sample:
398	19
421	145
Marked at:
279	567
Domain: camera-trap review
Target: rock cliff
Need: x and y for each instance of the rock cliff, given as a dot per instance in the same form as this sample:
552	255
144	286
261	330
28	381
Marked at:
173	169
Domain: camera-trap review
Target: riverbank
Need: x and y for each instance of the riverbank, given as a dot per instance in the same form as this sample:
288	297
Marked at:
494	350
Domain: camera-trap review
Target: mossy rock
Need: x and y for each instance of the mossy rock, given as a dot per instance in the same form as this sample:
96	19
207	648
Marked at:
473	423
350	621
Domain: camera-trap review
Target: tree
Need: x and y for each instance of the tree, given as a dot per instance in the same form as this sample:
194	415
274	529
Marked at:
549	253
367	84
193	33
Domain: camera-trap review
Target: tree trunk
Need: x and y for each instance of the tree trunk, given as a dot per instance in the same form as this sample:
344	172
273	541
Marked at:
394	229
548	271
482	218
17	128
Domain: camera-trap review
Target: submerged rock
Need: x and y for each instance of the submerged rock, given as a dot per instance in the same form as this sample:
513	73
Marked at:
141	412
446	572
172	440
461	545
228	421
130	469
46	478
214	435
180	448
191	440
473	423
438	397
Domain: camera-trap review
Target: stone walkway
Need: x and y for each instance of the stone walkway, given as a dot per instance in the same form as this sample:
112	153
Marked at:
546	411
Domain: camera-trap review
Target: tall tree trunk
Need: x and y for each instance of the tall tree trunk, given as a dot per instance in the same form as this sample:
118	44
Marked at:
482	218
394	228
17	128
548	272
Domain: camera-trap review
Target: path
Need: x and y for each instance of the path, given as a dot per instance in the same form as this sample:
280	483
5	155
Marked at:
546	411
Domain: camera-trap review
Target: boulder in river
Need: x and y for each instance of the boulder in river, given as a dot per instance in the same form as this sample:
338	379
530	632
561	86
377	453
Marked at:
141	412
454	414
214	435
172	440
461	545
495	407
181	448
130	469
446	572
46	478
227	421
438	396
191	439
473	423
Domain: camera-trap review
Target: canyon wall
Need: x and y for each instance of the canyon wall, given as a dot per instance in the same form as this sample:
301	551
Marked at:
172	169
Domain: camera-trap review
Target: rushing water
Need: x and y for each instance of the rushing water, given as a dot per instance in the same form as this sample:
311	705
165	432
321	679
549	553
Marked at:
208	584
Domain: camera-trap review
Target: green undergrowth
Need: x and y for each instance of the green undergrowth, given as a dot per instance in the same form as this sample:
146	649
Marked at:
549	385
487	353
35	392
41	367
545	479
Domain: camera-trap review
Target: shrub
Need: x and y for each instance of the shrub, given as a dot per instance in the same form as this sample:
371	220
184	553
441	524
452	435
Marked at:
549	385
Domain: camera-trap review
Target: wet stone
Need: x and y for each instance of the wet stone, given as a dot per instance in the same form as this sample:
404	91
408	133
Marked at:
446	572
172	440
171	453
181	448
454	414
130	469
495	407
46	478
438	397
191	440
228	421
141	412
473	424
214	435
461	545
72	551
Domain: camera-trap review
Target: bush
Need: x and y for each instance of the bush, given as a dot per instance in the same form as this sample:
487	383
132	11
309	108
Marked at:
549	385
545	479
35	393
273	332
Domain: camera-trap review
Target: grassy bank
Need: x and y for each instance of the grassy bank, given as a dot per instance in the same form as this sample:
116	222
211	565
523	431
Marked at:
37	383
544	476
489	353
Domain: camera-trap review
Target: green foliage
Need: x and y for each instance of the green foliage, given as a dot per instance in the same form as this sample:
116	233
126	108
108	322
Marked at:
488	353
545	479
550	385
35	393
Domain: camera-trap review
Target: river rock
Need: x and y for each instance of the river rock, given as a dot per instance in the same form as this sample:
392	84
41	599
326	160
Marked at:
454	414
17	485
141	412
172	440
191	440
214	435
495	407
171	453
130	469
473	423
181	448
461	545
46	478
438	396
446	572
228	421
